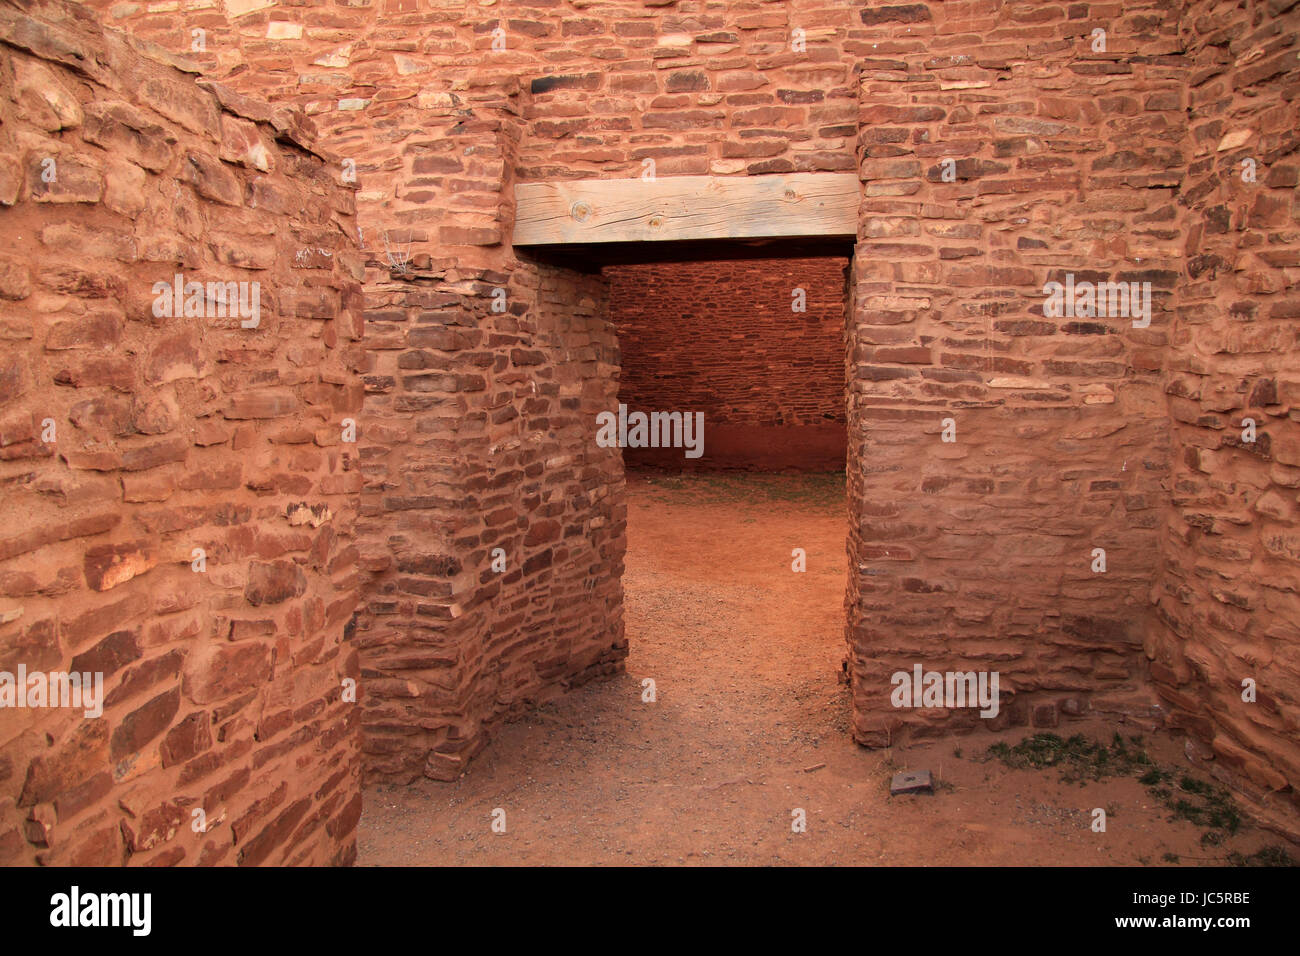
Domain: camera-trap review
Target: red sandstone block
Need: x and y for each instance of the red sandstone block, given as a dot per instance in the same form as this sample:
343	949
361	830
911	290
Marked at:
101	331
83	796
634	28
470	236
260	847
262	404
527	357
80	282
916	355
146	675
75	180
896	13
758	21
274	583
113	371
539	562
107	566
768	116
879	135
542	532
244	143
35	645
754	149
685	81
620	83
257	811
211	179
226	671
15	377
15	279
182	102
881	115
39	827
239	252
77	240
75	759
529	28
890	168
347	818
173	357
156	826
96	847
581	27
62	531
991	276
572	81
142	725
144	457
683	119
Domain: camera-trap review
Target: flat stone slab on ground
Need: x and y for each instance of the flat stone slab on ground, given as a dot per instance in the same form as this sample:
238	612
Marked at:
911	781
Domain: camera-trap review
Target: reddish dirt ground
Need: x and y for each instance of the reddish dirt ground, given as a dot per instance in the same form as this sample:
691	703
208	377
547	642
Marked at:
751	723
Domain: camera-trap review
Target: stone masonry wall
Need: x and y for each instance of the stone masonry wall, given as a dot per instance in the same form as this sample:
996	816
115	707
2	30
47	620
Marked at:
977	554
492	526
497	527
470	435
436	121
179	501
1228	596
699	87
722	338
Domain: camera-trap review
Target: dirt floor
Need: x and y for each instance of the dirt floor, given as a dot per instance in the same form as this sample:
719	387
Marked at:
750	724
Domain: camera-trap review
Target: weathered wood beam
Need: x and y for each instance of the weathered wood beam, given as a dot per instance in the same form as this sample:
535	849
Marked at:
687	207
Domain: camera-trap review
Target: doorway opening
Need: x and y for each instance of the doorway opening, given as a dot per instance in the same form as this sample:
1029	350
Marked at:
733	588
736	555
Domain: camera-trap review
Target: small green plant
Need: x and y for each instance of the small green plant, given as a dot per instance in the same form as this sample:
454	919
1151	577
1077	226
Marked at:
1205	805
1078	758
1154	777
1273	855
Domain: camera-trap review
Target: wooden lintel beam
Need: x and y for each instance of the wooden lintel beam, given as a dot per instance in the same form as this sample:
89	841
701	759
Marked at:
674	208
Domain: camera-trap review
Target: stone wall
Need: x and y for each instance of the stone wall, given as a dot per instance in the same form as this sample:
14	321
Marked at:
1000	151
1228	596
698	87
1068	162
723	338
1072	433
179	498
477	401
494	527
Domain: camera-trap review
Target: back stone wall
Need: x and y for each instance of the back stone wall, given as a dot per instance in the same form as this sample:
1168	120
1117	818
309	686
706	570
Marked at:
723	338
